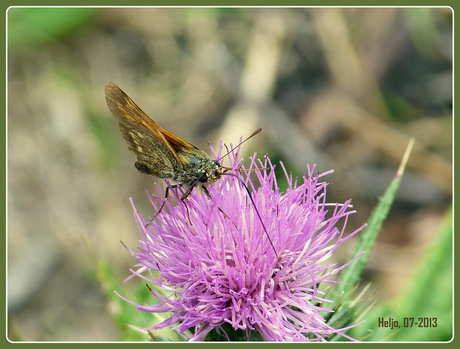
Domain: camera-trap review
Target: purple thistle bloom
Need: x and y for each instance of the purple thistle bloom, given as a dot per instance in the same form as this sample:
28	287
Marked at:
223	270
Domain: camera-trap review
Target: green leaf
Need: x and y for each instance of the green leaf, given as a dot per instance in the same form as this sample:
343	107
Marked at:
430	293
123	313
429	296
38	26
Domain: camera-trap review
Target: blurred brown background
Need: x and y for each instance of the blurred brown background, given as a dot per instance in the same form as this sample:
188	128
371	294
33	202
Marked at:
341	88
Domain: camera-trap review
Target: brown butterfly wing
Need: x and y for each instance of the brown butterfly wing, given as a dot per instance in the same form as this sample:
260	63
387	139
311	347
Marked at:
145	138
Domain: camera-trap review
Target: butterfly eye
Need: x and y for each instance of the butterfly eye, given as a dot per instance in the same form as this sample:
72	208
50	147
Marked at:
203	178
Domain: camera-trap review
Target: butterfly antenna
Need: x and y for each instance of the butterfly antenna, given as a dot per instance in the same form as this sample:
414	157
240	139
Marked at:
252	135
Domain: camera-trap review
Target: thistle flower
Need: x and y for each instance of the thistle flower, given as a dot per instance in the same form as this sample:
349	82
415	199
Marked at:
231	270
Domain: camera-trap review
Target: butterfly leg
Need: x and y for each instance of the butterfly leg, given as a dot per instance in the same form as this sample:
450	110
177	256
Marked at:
231	220
206	191
186	194
162	205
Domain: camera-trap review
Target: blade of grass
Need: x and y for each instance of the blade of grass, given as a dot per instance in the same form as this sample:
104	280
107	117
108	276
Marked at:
350	276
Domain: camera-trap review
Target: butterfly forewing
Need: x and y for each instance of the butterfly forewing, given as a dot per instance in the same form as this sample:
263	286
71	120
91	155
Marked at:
144	137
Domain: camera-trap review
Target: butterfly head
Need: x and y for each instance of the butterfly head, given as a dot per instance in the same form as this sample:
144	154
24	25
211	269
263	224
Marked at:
212	172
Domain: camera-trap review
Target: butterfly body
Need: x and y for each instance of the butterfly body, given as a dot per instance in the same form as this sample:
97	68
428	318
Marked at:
194	168
163	154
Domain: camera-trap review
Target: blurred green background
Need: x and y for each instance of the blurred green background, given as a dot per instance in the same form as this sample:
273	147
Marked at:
341	88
